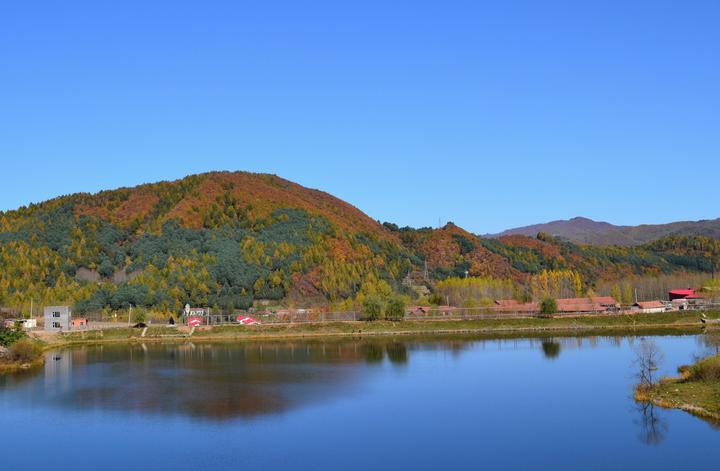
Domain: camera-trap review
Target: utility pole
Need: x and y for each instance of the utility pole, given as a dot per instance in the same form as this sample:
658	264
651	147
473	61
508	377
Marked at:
129	314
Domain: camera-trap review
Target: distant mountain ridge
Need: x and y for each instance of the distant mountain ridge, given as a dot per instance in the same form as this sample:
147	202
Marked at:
587	231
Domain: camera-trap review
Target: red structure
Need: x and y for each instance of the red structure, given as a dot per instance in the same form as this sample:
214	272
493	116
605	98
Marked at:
681	294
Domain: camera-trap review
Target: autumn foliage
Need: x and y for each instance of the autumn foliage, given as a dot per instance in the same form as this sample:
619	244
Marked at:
227	240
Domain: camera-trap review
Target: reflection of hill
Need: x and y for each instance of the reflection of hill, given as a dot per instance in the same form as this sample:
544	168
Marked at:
224	381
214	381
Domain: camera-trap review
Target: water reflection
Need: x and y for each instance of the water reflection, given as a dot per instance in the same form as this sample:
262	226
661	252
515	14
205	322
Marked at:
652	427
710	342
551	349
227	381
397	353
214	381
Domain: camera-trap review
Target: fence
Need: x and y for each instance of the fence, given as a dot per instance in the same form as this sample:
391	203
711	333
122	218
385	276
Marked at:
99	320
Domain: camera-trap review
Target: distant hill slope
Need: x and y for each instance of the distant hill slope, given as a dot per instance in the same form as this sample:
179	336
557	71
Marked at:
586	231
228	240
220	239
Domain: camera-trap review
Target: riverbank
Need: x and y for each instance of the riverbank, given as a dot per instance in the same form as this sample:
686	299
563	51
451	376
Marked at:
15	366
639	324
696	390
23	354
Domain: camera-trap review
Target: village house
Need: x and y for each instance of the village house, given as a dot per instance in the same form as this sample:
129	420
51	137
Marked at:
682	299
79	324
589	304
57	318
564	305
681	294
649	307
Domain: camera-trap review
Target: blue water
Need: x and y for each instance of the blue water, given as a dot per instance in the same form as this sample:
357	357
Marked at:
403	404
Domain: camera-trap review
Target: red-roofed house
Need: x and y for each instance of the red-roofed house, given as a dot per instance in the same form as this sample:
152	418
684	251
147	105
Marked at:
681	294
590	304
649	307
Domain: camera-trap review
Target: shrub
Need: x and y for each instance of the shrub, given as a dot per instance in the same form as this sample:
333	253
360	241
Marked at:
371	308
548	306
140	315
395	310
24	350
10	336
706	370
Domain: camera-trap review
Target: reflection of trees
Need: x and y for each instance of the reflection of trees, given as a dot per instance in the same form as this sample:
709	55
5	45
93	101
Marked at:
551	349
710	340
652	427
215	381
397	353
374	353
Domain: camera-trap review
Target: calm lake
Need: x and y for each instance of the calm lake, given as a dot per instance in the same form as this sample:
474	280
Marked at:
405	404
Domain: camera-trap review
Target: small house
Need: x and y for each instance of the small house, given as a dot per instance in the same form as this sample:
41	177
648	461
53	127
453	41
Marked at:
649	307
79	324
57	318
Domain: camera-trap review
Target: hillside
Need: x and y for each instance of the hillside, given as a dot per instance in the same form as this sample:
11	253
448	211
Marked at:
586	231
222	239
452	251
229	240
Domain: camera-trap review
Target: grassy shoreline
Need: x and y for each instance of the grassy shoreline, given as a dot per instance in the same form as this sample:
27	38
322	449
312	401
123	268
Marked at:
696	390
648	324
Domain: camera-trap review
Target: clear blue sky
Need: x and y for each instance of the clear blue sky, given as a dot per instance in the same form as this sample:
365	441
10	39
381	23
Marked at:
489	114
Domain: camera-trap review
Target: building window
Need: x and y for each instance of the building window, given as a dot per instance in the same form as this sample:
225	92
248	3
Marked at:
56	325
56	314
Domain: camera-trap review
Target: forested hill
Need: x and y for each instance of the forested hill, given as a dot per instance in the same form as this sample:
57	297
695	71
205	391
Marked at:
229	239
221	239
586	231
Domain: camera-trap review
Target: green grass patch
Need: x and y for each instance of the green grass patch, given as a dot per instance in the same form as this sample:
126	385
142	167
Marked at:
696	390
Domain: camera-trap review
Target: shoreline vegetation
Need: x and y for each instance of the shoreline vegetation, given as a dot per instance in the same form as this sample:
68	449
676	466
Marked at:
623	324
696	390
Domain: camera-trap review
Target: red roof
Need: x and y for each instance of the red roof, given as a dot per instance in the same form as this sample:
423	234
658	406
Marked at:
683	292
595	303
650	304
